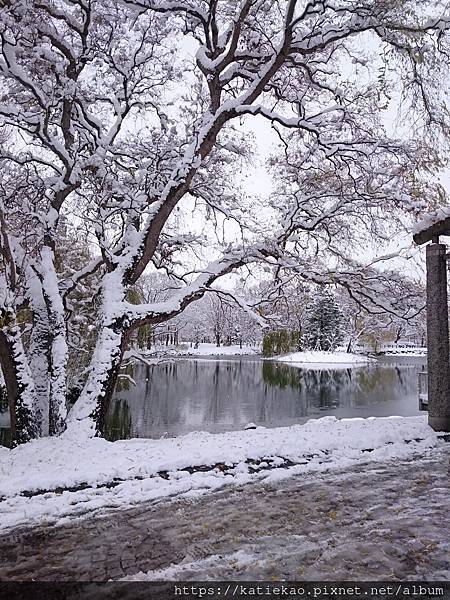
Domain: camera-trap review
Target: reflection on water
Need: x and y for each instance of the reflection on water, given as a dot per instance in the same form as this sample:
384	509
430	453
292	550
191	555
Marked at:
5	436
219	395
118	426
281	375
5	432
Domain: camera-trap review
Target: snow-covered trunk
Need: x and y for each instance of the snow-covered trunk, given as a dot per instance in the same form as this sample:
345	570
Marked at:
39	362
89	411
57	410
91	408
57	350
18	380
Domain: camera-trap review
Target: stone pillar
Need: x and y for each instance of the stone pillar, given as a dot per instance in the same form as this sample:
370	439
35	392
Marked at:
438	339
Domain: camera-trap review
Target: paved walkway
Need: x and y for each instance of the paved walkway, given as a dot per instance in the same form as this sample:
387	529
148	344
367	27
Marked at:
377	521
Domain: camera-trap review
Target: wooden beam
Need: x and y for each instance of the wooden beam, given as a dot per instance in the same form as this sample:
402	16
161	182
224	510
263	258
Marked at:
434	231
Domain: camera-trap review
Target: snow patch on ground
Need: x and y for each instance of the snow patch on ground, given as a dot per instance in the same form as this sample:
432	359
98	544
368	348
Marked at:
413	353
213	350
317	357
67	462
240	559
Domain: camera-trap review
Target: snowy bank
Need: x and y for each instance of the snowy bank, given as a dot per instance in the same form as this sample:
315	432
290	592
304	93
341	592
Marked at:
316	357
213	350
413	352
39	480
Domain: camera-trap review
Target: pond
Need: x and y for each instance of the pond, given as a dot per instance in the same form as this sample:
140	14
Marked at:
220	395
216	395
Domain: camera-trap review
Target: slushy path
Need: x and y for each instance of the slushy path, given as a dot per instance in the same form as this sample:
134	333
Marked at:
377	521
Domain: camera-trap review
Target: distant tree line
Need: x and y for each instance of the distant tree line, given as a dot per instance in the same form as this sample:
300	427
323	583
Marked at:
300	317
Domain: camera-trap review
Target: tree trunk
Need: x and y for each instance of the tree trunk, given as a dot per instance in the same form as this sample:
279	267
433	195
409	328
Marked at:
40	365
58	352
91	408
57	410
19	386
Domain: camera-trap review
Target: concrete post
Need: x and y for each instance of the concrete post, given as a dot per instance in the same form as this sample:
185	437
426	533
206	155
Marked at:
438	339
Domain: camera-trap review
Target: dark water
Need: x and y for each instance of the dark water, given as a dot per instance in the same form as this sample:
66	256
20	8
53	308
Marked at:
220	395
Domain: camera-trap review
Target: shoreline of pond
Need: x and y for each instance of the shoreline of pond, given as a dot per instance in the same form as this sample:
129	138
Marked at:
377	358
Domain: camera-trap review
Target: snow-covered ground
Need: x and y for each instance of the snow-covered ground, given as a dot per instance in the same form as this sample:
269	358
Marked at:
321	358
371	522
213	350
422	352
35	477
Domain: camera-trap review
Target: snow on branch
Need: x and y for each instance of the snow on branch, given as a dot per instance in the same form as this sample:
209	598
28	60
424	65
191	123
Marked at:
169	6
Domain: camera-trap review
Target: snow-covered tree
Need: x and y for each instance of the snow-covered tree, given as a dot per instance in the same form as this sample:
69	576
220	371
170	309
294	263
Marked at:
192	323
373	328
218	317
323	329
124	119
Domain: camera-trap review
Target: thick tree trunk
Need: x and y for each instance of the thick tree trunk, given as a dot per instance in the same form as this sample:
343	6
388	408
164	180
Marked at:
58	352
39	365
90	410
57	410
19	386
88	414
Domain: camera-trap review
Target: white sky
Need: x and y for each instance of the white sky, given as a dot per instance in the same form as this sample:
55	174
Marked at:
258	181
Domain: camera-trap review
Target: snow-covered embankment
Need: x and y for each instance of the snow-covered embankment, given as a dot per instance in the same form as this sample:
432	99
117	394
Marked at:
322	359
123	473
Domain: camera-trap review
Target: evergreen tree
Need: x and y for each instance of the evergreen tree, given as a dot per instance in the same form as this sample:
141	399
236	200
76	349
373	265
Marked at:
323	325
